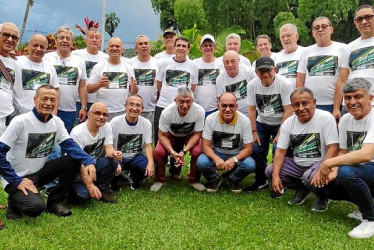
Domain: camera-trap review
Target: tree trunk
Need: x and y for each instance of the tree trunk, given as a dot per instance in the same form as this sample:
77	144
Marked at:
29	4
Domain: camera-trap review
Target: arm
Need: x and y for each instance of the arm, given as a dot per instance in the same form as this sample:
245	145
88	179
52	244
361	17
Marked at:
287	112
318	181
159	85
88	183
252	118
75	152
338	96
94	87
192	142
244	153
83	97
133	88
165	142
57	102
300	80
280	154
150	169
110	152
208	151
193	87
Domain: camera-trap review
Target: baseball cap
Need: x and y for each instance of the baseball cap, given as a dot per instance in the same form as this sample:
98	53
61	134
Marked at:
264	63
207	37
169	31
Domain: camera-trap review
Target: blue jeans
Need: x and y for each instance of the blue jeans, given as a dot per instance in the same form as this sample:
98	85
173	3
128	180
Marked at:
238	173
210	112
328	108
68	117
260	153
105	170
136	165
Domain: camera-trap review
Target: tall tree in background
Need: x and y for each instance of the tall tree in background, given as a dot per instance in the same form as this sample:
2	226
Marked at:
111	23
166	10
30	3
188	12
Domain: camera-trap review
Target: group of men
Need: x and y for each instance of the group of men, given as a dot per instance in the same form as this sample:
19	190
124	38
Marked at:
224	111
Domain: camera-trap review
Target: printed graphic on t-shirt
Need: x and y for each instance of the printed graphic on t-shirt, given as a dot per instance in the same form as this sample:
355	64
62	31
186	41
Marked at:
174	78
269	103
185	128
96	150
31	79
322	65
89	67
288	68
208	76
239	89
306	145
4	84
355	140
117	80
225	140
145	77
40	145
67	75
130	143
362	58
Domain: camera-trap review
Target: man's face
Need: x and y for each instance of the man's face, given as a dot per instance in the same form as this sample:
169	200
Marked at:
37	47
208	47
304	106
227	107
8	38
168	40
143	46
45	102
358	103
233	44
181	48
266	75
364	22
64	41
93	40
263	47
98	115
288	39
184	104
134	107
115	48
322	30
231	63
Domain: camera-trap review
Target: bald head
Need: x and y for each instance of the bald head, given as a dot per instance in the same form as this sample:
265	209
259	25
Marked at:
38	45
231	62
115	49
98	115
8	38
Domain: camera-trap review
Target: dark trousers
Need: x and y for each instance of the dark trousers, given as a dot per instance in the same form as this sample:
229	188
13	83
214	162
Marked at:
158	112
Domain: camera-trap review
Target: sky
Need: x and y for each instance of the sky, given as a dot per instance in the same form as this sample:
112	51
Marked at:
136	16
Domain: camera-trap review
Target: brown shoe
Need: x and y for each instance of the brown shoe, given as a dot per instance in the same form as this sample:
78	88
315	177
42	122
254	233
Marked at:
176	177
106	196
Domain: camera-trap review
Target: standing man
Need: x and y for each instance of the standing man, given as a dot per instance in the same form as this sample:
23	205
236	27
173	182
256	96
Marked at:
319	64
227	145
233	42
235	79
113	79
168	39
269	95
35	72
71	72
182	123
287	60
209	68
263	46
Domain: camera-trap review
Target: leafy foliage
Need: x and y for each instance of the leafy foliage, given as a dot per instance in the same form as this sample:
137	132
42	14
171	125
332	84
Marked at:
111	23
166	10
188	12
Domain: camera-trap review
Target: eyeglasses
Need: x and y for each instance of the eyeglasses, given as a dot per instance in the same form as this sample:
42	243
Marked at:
7	36
98	113
231	105
131	104
322	26
361	18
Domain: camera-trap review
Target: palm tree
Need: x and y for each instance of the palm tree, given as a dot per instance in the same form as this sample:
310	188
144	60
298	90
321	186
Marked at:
30	3
111	23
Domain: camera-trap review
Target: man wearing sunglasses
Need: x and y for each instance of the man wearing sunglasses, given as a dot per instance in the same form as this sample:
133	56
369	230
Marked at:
357	61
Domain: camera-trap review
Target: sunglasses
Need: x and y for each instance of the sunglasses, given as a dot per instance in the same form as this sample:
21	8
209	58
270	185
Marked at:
361	18
318	27
231	105
7	36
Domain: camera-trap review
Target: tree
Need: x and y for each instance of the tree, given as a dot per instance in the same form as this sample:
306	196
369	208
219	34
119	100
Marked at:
30	3
111	23
188	12
166	10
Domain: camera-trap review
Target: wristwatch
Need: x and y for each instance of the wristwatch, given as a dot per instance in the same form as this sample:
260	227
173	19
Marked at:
184	152
84	107
236	160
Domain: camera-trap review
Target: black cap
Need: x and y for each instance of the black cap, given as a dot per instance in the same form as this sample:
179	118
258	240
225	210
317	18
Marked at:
264	63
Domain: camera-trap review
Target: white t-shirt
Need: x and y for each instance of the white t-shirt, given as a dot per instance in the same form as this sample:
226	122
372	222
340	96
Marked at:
163	55
353	133
236	85
228	139
272	56
321	67
34	75
206	91
70	72
145	73
6	88
131	139
119	77
93	146
173	75
308	140
90	61
31	141
242	61
287	64
269	101
170	121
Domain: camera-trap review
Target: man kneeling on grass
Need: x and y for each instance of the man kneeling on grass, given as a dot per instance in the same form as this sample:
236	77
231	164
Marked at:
227	145
24	150
313	138
94	136
350	176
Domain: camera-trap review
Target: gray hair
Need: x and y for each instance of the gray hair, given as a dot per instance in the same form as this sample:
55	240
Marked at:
320	18
184	91
134	95
115	37
365	6
290	25
355	84
302	90
233	35
140	36
64	29
46	86
8	23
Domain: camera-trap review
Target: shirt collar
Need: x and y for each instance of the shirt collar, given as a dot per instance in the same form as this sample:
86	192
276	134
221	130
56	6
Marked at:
233	122
41	118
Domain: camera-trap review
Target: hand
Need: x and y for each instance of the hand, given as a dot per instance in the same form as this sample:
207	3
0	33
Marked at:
91	171
230	163
333	174
318	179
27	184
82	115
118	170
117	155
150	170
133	88
178	158
277	184
13	54
337	114
256	138
276	138
104	82
94	192
220	164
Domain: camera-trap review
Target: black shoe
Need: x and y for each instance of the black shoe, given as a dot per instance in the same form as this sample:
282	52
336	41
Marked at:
320	204
12	213
59	209
276	195
214	186
106	196
300	197
257	186
135	185
233	185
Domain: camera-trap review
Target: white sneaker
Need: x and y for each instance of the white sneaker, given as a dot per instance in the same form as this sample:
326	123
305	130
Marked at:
198	187
156	186
357	215
364	230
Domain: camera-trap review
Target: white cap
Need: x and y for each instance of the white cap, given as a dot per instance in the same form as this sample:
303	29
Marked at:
207	37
